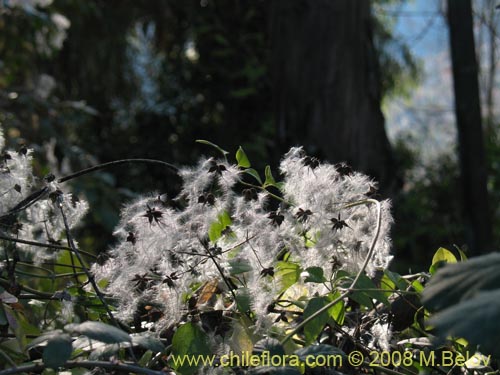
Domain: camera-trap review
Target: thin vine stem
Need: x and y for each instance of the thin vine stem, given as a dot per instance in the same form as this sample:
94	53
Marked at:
7	284
358	275
114	163
42	244
90	276
39	194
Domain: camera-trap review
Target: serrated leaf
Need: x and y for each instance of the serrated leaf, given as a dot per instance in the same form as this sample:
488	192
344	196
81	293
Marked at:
475	319
270	345
189	340
242	158
208	143
460	281
252	172
321	350
270	181
99	331
57	351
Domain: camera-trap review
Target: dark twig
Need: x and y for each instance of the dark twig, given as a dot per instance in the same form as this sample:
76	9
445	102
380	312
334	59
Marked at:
42	244
118	366
117	162
39	194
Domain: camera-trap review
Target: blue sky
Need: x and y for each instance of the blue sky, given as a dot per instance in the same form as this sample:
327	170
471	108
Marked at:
427	116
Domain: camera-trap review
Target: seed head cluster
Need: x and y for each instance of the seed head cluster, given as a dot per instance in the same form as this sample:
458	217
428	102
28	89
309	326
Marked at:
226	244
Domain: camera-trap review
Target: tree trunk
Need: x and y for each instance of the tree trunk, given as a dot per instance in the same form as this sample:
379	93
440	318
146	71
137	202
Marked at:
326	84
470	133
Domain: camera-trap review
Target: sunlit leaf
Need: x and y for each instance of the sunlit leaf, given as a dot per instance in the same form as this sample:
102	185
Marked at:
189	340
215	230
270	181
288	273
441	256
242	158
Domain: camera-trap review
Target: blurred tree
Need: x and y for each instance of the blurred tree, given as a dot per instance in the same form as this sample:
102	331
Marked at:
468	116
327	84
155	76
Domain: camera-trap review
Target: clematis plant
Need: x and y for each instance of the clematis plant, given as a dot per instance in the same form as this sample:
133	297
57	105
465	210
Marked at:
252	249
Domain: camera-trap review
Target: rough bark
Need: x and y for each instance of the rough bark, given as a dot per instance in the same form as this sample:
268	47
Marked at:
327	85
470	133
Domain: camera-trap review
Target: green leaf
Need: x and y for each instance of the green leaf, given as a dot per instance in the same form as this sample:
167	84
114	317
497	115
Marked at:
399	282
99	331
243	299
364	282
441	257
321	350
42	339
189	340
270	181
242	158
460	281
288	273
146	357
147	341
337	311
315	326
463	256
215	230
57	351
238	266
315	275
270	345
252	172
366	290
208	143
475	319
